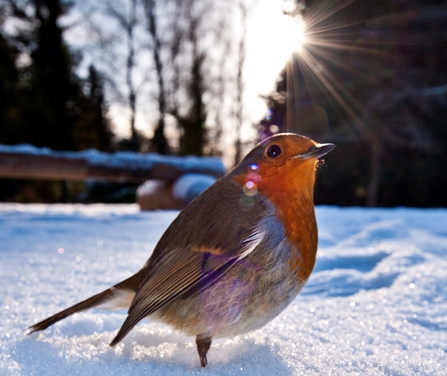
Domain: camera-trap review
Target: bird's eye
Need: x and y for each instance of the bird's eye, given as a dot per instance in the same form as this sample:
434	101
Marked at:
274	151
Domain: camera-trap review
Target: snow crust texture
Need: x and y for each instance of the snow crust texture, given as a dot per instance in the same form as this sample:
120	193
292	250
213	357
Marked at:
375	305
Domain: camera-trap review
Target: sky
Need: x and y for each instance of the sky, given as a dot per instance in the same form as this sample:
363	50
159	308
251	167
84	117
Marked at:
374	305
271	38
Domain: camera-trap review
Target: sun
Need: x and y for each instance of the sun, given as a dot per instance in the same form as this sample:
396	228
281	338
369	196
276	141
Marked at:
289	36
294	34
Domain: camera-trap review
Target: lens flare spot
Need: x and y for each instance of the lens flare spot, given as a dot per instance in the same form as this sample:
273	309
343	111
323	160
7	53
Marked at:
60	251
250	188
274	128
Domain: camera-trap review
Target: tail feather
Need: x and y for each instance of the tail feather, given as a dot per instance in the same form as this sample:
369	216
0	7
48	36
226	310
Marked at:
130	285
79	307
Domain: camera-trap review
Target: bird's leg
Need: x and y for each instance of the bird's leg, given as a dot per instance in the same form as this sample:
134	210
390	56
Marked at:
203	345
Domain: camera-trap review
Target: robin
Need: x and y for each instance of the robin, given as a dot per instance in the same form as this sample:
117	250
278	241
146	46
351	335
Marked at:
235	257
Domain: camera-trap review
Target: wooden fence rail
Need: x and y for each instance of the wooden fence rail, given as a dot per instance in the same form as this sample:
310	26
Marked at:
29	162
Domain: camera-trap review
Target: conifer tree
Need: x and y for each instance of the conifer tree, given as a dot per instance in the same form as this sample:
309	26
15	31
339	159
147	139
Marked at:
53	91
9	106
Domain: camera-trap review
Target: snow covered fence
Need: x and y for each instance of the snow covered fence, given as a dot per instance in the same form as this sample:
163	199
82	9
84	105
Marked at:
30	162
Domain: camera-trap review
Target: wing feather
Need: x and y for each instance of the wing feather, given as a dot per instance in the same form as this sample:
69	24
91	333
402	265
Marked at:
192	271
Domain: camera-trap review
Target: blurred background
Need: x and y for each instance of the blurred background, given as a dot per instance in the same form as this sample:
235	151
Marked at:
213	78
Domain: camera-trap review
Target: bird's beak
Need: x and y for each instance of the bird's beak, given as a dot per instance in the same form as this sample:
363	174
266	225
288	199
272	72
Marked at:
316	151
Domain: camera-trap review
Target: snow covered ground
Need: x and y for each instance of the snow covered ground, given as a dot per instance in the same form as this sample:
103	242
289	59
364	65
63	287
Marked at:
376	303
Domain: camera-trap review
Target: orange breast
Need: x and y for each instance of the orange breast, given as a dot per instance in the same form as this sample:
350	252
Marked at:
290	189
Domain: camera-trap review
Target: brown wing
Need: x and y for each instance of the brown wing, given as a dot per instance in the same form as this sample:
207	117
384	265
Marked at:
223	232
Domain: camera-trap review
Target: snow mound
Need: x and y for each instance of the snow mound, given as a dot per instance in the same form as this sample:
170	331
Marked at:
189	186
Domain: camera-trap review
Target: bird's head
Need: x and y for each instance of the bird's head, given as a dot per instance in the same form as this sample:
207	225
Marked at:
283	164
